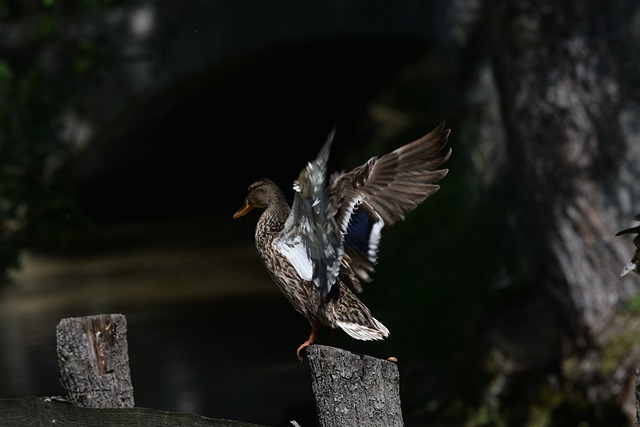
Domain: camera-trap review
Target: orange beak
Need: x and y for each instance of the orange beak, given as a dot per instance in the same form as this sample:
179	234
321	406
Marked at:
243	210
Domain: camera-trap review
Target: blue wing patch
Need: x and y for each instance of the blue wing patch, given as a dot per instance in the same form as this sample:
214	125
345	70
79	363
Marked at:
358	235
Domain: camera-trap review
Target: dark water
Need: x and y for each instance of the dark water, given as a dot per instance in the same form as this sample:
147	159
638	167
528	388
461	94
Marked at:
207	330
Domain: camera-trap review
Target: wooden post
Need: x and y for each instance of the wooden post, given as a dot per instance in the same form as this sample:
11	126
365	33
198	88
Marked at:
354	390
93	360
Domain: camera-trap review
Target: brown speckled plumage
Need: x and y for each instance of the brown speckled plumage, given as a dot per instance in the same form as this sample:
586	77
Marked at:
326	244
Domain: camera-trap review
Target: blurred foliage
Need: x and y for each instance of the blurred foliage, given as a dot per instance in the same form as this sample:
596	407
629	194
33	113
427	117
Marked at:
36	83
33	205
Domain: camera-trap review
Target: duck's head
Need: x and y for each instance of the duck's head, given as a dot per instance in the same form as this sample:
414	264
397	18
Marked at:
261	194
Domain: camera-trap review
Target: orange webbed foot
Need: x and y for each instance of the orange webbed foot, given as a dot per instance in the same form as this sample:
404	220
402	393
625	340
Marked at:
304	345
311	340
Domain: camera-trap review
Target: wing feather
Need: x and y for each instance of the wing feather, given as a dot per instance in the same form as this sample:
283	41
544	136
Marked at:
387	188
310	225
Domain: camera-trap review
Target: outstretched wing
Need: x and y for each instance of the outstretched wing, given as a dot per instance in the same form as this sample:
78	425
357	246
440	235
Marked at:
311	235
381	192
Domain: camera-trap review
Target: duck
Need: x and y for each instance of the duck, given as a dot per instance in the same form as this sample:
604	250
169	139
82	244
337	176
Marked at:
634	264
322	249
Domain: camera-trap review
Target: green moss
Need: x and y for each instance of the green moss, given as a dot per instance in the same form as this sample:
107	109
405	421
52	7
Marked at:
618	348
632	305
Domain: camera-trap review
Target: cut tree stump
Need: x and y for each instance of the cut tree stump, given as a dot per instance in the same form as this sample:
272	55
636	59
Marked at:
354	390
93	360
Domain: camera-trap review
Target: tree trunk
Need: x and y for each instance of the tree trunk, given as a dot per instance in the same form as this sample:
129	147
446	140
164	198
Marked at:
564	71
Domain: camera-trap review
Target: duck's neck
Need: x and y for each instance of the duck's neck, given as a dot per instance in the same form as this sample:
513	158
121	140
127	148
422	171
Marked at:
272	220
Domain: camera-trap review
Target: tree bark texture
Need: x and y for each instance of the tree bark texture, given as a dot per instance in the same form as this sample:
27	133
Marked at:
354	390
564	73
93	360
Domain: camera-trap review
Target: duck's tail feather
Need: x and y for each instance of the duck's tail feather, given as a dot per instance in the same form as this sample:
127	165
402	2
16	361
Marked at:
374	331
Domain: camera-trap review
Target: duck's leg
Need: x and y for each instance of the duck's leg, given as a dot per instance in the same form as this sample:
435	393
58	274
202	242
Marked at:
311	340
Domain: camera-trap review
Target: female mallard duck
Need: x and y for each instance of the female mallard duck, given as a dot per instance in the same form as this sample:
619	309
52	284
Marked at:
327	242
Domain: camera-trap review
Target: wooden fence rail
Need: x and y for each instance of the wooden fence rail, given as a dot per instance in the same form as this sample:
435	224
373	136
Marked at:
93	359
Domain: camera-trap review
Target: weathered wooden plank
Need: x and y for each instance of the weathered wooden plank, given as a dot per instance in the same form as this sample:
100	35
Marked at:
93	360
354	390
33	411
